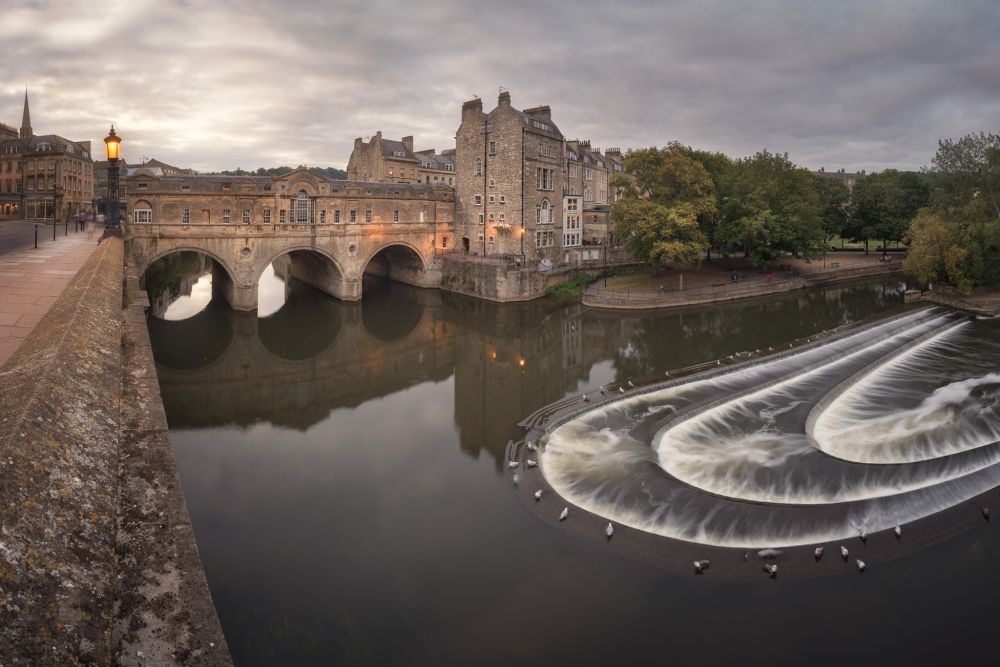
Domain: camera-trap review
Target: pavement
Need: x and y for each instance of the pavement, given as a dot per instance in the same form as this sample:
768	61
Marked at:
32	279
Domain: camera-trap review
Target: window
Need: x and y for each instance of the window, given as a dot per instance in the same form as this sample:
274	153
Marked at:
267	216
588	195
444	241
574	171
503	218
143	215
571	239
368	216
543	214
281	216
354	217
479	166
226	187
336	217
246	217
226	217
31	183
543	178
185	216
588	174
482	219
493	148
322	217
493	182
572	204
503	199
449	180
544	239
493	199
302	208
395	215
478	200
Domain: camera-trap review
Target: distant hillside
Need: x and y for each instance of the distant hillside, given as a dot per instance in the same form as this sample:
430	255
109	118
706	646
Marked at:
329	172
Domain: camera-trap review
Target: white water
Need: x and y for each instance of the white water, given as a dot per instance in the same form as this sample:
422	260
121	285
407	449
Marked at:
912	437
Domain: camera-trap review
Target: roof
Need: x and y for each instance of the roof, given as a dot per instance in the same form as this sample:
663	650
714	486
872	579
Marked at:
390	148
33	144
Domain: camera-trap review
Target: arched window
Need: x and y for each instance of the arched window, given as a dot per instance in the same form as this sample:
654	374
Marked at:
479	166
302	208
543	214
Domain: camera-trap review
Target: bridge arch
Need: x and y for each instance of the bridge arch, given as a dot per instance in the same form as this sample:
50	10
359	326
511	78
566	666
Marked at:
223	279
314	267
400	261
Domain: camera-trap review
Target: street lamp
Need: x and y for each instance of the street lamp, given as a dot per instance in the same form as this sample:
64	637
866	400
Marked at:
112	144
520	233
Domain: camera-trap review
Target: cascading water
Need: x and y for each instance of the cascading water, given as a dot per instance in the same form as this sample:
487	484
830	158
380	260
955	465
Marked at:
874	429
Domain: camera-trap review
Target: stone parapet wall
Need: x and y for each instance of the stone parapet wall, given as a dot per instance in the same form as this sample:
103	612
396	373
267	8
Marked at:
97	560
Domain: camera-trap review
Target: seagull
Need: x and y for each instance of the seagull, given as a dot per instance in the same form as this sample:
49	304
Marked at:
531	446
666	374
746	556
770	349
609	531
603	390
538	495
769	553
531	464
621	390
843	552
515	479
898	531
630	385
700	565
585	399
986	513
771	569
818	552
512	464
861	565
718	362
564	514
863	534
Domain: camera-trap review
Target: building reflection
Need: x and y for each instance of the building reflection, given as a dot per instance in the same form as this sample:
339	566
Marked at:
316	355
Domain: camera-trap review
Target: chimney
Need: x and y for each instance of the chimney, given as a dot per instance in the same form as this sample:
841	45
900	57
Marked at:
358	143
504	99
544	112
408	143
613	153
472	109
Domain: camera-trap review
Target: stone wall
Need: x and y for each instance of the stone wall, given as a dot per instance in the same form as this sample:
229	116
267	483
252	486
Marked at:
97	561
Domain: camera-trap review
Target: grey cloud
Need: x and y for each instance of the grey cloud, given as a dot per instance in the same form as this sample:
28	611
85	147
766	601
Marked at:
253	83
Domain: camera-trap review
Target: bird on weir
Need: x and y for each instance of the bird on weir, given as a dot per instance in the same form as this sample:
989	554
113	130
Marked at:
564	514
609	531
700	565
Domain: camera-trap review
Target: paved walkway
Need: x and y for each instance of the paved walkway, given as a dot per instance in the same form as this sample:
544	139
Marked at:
31	280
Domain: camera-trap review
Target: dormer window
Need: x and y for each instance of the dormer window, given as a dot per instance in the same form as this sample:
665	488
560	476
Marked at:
399	154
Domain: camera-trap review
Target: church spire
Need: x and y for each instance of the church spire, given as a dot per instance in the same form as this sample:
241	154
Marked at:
26	119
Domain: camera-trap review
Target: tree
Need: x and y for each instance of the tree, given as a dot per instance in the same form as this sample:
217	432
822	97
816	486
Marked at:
884	203
834	198
958	237
719	166
770	206
664	191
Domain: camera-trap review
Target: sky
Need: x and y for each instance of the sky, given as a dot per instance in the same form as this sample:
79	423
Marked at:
853	84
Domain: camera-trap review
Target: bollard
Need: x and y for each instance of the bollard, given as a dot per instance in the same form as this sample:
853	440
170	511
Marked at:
66	231
53	230
36	236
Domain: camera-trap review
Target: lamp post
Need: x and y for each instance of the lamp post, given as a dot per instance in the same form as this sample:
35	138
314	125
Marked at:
112	144
521	234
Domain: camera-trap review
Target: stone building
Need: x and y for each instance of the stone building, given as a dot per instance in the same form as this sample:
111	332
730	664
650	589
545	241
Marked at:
44	177
388	161
510	183
847	177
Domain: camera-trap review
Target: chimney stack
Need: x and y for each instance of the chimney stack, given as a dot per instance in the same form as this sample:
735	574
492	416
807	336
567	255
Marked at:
408	143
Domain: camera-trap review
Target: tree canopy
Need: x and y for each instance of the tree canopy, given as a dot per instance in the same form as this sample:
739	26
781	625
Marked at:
884	203
957	238
664	191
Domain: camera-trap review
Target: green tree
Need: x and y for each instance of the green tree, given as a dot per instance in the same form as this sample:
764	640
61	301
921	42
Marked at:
835	198
664	192
770	206
719	166
884	203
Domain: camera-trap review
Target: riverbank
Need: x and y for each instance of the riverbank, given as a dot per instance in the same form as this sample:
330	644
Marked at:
762	285
983	301
98	562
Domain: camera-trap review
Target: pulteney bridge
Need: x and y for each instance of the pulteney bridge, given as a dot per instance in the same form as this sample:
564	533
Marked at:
333	231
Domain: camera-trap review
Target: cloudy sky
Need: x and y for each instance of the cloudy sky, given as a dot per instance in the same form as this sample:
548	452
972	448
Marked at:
247	83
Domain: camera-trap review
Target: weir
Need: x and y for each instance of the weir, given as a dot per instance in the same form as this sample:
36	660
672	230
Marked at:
725	459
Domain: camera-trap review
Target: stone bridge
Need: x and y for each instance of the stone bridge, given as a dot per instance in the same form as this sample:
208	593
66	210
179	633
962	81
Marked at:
333	231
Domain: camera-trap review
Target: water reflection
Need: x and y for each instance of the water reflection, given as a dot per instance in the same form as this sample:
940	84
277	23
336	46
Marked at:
343	470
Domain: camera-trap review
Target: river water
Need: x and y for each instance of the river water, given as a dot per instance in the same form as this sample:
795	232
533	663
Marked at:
344	467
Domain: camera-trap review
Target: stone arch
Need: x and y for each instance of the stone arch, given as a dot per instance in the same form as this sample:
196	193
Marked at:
223	275
317	268
400	261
